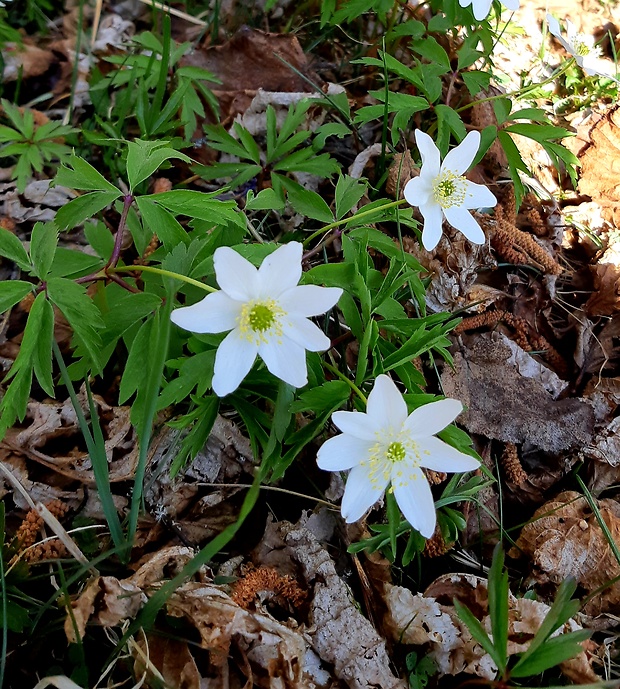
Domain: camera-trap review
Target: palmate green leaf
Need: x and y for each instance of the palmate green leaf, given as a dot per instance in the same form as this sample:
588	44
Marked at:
162	223
307	202
13	291
43	242
266	199
144	157
13	249
194	372
78	210
78	174
42	357
202	423
348	193
133	375
554	651
199	205
83	316
15	400
329	395
498	605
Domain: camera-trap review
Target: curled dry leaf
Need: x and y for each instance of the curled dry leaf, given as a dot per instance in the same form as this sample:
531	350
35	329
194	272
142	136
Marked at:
105	601
39	202
430	618
453	267
24	61
50	421
339	633
564	539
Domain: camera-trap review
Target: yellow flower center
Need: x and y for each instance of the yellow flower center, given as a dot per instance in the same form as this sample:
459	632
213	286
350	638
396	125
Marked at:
260	320
261	317
583	46
395	452
449	189
394	457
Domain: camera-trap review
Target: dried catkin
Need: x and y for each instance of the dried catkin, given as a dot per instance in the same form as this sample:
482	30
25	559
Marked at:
511	465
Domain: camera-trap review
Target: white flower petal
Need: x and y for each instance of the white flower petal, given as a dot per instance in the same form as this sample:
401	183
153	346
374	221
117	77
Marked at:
432	418
431	161
281	270
355	423
554	26
235	275
216	313
478	196
571	31
415	500
342	452
481	11
511	4
417	191
306	334
359	495
309	300
439	456
433	222
463	220
286	360
233	361
386	405
459	159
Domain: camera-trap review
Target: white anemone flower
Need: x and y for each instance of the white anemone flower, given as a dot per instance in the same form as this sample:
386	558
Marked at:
580	46
385	445
441	190
267	313
482	8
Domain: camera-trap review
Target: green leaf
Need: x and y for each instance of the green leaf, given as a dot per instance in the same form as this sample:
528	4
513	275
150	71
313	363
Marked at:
307	202
43	242
330	395
198	205
13	291
498	605
78	210
13	249
133	374
476	630
15	400
348	193
43	351
82	314
267	199
553	652
561	611
161	223
144	157
82	175
17	618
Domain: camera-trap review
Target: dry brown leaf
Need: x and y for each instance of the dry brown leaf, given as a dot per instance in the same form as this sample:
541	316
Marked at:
430	618
105	601
250	60
25	61
564	539
503	404
600	162
339	633
52	421
171	657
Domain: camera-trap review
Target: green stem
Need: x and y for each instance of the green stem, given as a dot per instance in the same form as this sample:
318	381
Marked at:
357	216
350	383
161	271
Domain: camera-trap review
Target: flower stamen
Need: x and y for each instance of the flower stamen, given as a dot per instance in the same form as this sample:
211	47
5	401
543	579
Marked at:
260	320
449	189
